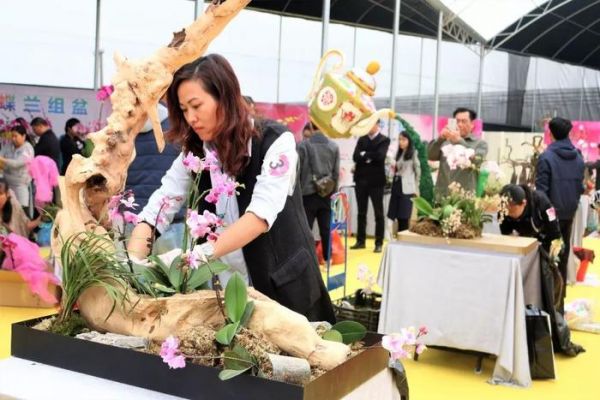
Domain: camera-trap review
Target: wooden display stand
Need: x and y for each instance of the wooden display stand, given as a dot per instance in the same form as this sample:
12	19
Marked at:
14	292
488	242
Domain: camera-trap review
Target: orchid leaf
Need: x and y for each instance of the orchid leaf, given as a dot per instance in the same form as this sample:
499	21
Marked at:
203	274
351	331
225	334
236	297
247	313
231	373
333	336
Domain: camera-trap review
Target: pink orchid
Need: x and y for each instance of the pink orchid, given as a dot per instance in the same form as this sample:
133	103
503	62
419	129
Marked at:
211	161
115	201
129	202
104	92
192	163
423	331
221	185
394	343
202	225
131	218
169	351
114	215
400	344
458	156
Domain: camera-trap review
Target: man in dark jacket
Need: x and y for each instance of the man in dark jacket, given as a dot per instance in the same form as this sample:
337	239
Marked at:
559	174
47	144
530	214
318	157
369	177
70	143
145	174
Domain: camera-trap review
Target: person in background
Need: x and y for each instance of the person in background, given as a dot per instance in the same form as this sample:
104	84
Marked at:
463	135
250	102
406	182
12	217
145	173
14	157
594	167
559	174
70	143
265	236
47	144
318	157
369	177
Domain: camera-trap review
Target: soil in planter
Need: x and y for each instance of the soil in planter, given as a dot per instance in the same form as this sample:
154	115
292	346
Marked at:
73	326
258	346
427	227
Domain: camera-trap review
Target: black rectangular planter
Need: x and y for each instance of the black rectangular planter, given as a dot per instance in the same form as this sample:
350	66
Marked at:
194	381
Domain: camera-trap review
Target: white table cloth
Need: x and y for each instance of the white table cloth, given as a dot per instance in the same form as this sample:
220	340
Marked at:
468	299
29	380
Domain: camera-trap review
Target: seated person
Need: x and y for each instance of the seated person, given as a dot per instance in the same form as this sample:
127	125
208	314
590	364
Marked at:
12	216
531	214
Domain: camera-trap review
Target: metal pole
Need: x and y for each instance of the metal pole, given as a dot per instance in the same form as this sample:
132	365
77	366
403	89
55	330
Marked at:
97	45
198	8
420	79
394	55
325	26
582	94
101	67
279	58
534	96
354	49
436	95
480	84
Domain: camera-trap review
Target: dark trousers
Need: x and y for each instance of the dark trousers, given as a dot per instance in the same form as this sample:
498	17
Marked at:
318	207
565	230
402	224
363	191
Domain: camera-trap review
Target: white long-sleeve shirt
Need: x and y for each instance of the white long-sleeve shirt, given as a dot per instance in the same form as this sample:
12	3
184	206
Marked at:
273	186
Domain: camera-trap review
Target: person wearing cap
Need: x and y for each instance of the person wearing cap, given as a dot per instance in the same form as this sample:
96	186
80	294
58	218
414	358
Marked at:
559	174
467	178
531	214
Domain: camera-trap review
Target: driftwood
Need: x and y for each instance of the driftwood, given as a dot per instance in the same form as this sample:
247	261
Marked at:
158	318
138	86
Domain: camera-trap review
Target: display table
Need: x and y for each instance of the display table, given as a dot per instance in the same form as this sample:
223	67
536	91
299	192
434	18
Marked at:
469	298
17	375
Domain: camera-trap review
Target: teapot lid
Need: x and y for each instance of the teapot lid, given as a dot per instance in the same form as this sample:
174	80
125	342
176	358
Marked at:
364	78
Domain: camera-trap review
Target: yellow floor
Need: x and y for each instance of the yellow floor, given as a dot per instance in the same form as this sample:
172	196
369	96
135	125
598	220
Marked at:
448	375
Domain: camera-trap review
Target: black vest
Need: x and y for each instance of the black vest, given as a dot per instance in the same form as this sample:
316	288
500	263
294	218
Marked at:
282	262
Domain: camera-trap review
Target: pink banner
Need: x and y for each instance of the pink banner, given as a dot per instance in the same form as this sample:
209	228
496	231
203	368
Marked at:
585	135
294	116
422	124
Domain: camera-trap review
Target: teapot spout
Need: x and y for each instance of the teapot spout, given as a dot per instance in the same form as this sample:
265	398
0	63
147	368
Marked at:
364	126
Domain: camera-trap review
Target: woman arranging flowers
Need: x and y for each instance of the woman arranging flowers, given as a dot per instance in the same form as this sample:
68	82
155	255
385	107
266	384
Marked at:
266	236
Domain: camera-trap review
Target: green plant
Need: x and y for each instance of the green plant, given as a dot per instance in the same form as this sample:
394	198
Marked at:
238	309
87	260
346	332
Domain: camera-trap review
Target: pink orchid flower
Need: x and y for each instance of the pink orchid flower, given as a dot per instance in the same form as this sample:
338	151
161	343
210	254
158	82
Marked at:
221	185
211	162
192	163
129	202
131	218
104	92
169	351
202	225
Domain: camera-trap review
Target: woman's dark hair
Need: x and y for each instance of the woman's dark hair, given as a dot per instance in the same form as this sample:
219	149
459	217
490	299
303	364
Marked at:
6	213
71	122
233	128
19	129
410	150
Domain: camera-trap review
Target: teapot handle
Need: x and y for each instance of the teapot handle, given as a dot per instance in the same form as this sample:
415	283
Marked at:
319	73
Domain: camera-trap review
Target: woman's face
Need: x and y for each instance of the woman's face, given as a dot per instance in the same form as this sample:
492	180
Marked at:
403	142
18	139
199	109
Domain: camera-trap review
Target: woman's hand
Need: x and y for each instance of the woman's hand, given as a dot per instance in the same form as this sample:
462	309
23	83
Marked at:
140	241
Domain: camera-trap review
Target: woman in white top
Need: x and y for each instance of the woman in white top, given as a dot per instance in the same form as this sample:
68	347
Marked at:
266	235
13	157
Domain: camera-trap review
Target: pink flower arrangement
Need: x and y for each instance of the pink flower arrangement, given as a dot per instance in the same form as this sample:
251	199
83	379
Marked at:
400	345
118	207
192	163
221	185
104	92
458	156
169	351
203	224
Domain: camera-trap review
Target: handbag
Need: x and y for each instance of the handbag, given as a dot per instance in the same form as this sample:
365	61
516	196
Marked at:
539	343
325	185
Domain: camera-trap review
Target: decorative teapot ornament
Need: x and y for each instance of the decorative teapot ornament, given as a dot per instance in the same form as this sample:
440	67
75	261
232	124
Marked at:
340	103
